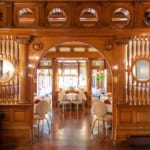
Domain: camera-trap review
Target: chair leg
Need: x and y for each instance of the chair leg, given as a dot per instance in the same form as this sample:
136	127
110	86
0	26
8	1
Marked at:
77	107
48	124
70	106
63	107
42	127
83	105
50	117
98	126
38	127
93	125
103	124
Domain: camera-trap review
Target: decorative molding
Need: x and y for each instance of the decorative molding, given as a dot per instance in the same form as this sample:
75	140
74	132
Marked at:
138	3
23	39
108	45
121	39
106	4
37	45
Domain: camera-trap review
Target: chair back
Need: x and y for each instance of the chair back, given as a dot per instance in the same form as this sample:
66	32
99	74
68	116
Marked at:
49	101
81	96
42	108
99	108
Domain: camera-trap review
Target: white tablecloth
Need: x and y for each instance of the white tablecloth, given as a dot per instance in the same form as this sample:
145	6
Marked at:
74	96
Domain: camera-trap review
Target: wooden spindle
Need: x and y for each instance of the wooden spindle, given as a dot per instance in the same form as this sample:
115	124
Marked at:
134	93
11	89
145	47
12	48
9	48
141	47
0	92
6	46
148	91
136	48
143	93
132	50
0	46
139	93
148	47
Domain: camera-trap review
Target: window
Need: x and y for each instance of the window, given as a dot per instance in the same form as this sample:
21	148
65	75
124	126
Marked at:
44	82
72	74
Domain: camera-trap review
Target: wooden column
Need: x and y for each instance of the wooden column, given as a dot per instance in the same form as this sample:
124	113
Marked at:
89	79
9	8
23	62
55	87
41	13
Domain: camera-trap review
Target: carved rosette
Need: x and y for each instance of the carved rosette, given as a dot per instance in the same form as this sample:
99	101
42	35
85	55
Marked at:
37	46
108	45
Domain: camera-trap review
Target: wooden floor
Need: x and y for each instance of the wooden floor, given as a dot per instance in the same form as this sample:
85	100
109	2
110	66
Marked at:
71	131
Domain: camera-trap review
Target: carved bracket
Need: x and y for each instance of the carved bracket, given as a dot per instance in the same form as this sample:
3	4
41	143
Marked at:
108	45
121	39
24	39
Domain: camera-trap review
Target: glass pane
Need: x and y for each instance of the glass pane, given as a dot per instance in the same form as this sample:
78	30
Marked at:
73	71
7	70
67	71
44	82
142	70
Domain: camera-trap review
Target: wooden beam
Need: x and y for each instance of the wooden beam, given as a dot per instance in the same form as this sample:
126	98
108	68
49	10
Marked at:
90	55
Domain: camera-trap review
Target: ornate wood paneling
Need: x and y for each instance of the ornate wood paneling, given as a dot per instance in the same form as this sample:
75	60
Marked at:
132	121
137	91
16	126
107	25
25	14
58	14
9	50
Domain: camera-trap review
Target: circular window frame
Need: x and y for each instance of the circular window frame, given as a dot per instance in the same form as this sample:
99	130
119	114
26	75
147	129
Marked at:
126	18
10	72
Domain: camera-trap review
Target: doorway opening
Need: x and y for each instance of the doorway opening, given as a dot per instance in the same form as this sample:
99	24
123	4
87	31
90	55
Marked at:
73	66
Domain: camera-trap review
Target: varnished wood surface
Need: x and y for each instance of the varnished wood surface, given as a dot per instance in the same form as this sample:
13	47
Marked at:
71	131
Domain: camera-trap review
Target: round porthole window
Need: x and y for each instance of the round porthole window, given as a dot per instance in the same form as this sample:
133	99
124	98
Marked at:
141	70
120	17
7	70
147	17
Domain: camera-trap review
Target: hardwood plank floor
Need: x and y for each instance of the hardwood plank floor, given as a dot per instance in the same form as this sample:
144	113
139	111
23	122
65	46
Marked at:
71	131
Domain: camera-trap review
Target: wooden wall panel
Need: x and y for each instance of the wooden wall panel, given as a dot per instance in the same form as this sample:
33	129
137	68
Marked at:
33	7
73	10
125	117
8	115
52	7
128	120
132	121
19	116
16	126
16	135
142	117
3	15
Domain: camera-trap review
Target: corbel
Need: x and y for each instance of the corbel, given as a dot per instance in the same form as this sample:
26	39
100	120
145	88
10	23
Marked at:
121	39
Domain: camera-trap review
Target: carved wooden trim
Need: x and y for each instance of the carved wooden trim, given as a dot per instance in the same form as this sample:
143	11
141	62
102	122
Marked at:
108	45
121	39
23	39
9	6
37	45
